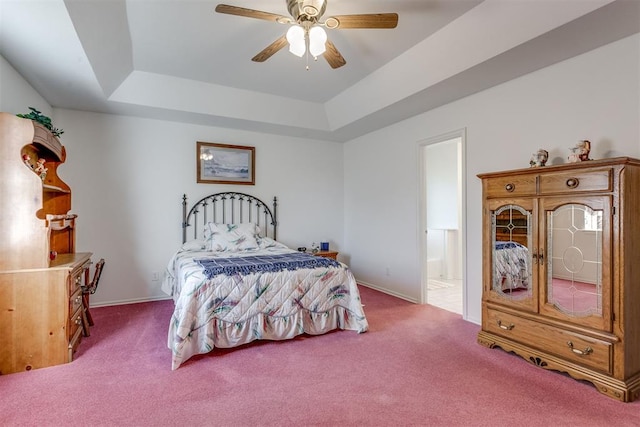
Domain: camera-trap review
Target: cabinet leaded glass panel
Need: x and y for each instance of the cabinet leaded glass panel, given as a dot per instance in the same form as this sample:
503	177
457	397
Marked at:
574	261
511	234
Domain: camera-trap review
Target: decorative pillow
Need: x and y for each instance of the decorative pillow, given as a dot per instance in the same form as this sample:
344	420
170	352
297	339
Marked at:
230	237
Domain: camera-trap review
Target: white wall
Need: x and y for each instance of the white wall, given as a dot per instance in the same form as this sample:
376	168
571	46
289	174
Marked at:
16	95
128	176
594	96
442	185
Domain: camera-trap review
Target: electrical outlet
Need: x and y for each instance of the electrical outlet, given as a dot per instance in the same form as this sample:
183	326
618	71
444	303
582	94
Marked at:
155	276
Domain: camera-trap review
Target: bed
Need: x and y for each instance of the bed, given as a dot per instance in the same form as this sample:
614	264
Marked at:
233	283
511	267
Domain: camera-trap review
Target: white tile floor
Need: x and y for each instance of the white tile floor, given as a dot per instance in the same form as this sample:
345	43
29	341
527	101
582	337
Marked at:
446	294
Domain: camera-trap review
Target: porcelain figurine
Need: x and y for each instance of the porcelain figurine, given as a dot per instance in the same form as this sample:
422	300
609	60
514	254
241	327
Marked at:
27	160
40	169
539	158
580	152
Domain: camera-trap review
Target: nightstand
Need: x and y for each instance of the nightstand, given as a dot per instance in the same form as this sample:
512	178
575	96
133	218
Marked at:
327	254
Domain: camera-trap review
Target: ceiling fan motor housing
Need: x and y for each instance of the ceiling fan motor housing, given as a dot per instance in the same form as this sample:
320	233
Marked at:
306	10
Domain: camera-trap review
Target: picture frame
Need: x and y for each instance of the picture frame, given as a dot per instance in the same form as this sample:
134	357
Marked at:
225	164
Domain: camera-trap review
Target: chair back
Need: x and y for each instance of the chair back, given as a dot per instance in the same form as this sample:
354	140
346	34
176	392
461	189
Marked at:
91	288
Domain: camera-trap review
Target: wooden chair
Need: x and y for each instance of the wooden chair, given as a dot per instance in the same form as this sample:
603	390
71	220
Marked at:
88	289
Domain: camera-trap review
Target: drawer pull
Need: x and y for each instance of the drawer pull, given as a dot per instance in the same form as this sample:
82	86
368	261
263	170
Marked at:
505	327
78	299
78	320
573	182
584	352
510	187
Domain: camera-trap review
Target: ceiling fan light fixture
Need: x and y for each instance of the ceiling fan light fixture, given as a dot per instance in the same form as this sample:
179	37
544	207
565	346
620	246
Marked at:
303	38
295	37
317	41
283	20
331	23
310	8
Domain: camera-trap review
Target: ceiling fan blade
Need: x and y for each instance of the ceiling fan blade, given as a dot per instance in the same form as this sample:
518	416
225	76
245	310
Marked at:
268	51
333	57
251	13
368	20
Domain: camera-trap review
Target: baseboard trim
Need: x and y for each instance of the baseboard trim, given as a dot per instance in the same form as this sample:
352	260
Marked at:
129	301
164	298
387	291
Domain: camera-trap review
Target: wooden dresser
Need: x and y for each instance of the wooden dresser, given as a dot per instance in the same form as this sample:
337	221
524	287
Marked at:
41	311
561	287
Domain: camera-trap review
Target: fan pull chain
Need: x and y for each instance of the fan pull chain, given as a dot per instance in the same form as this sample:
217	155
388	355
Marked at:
315	59
306	40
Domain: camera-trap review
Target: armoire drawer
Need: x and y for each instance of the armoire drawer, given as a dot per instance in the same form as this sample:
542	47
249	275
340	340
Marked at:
511	186
578	181
578	348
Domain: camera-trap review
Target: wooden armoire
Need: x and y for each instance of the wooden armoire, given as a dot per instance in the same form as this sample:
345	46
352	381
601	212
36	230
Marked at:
561	282
41	274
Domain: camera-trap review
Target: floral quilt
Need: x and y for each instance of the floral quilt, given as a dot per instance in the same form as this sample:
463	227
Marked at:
511	261
229	310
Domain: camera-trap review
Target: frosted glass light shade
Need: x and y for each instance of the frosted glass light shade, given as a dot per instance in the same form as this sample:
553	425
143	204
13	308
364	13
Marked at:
317	41
295	37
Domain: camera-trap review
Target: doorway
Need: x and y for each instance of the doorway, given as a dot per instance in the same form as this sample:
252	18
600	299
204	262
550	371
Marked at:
442	222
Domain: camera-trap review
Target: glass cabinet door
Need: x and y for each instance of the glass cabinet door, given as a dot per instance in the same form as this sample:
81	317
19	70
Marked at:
512	243
576	272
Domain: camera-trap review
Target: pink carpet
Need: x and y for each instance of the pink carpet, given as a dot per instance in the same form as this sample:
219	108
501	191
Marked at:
575	297
418	365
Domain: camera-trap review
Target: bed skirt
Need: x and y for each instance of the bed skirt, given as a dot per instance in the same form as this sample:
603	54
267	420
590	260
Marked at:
222	334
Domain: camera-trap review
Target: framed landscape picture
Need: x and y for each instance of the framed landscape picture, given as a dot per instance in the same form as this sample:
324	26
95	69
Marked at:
225	164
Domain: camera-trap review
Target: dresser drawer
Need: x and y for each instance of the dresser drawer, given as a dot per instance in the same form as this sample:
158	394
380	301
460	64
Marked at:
511	186
77	276
75	282
577	348
570	182
75	302
74	342
75	322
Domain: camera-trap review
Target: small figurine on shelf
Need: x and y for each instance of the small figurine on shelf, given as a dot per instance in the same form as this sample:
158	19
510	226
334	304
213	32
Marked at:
539	158
580	152
27	160
40	169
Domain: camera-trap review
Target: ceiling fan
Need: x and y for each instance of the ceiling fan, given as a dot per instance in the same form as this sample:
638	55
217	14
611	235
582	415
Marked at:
306	33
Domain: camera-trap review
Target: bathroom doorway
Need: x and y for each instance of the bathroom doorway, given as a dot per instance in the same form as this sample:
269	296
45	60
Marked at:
442	225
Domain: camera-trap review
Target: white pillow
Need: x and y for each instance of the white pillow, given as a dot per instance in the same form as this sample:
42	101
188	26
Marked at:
267	242
194	245
230	237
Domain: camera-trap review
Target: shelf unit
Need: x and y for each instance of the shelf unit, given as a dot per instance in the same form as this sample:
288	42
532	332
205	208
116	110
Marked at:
41	274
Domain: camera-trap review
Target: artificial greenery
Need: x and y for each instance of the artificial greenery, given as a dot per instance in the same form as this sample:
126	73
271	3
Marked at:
42	119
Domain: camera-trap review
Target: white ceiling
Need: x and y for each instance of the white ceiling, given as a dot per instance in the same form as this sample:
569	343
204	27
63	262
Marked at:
179	60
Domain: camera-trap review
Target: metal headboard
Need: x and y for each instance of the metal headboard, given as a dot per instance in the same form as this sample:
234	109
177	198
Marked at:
229	208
